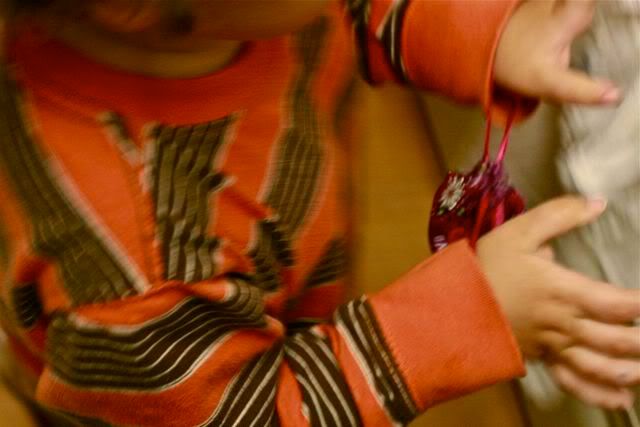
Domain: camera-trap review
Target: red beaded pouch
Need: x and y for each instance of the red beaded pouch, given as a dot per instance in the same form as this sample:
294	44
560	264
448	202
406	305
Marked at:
472	204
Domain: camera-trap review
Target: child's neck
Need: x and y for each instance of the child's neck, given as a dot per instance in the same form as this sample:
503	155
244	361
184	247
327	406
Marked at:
151	55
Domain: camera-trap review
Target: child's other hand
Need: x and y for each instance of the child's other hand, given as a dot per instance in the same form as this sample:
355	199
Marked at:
534	50
576	324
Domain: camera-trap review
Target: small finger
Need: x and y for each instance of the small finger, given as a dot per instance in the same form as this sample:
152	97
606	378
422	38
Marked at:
570	86
601	301
554	218
602	368
591	392
615	340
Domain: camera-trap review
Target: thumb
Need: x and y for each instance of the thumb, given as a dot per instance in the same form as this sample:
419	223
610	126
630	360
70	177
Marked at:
566	85
556	217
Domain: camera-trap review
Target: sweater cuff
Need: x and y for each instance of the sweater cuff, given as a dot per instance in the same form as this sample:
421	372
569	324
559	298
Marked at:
445	330
449	46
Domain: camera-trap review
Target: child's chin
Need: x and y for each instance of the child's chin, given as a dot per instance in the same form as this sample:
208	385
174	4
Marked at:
253	19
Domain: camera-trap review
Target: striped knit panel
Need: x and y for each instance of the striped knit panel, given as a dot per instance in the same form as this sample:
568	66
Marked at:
90	272
298	164
26	304
388	34
327	401
152	356
249	400
184	179
331	266
358	326
360	11
391	37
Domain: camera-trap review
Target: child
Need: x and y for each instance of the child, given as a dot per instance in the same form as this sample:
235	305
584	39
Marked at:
173	234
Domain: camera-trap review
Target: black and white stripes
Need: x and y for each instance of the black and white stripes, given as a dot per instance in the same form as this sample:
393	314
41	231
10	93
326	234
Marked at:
90	269
332	265
389	34
154	355
184	178
249	400
391	37
357	324
327	400
360	11
300	158
26	304
297	165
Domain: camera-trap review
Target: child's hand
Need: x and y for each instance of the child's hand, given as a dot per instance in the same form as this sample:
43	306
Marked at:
533	53
573	322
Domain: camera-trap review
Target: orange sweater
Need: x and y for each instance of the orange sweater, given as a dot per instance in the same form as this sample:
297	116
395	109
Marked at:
172	252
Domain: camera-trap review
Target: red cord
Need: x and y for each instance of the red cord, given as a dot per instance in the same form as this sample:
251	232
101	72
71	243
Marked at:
484	201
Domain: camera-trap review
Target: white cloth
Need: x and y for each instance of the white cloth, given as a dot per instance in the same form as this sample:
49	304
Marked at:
601	147
599	154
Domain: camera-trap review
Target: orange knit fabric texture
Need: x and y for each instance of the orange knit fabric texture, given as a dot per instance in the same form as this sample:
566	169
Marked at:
173	252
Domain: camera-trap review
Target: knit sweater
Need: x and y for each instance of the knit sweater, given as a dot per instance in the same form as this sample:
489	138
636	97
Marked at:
173	251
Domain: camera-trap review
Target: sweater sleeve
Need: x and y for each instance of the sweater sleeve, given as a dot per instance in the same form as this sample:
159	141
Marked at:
445	46
209	354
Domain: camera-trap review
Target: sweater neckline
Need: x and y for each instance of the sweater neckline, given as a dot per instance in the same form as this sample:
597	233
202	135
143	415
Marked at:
50	67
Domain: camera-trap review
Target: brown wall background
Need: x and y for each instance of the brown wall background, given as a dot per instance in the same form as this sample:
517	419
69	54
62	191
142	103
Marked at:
396	171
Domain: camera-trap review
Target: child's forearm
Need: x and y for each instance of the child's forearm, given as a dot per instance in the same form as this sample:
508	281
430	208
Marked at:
446	46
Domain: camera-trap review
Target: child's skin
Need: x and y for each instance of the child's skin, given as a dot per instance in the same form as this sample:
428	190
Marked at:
574	323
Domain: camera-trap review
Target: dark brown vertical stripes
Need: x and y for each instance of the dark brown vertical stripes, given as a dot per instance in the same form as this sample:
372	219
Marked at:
249	400
90	272
332	265
298	164
358	322
183	181
26	304
324	390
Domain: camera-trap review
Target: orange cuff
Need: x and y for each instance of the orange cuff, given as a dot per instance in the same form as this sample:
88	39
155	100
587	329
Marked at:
445	329
449	47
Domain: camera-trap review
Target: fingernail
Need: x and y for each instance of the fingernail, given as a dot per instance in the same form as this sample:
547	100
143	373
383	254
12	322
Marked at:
597	203
610	95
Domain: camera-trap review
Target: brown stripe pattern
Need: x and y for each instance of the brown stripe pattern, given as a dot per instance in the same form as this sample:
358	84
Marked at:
250	398
154	355
184	178
116	126
90	271
360	11
390	35
298	163
391	38
270	252
358	325
332	265
327	401
26	303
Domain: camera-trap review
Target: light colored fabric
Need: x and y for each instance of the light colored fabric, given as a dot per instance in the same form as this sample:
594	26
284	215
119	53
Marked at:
599	154
601	148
